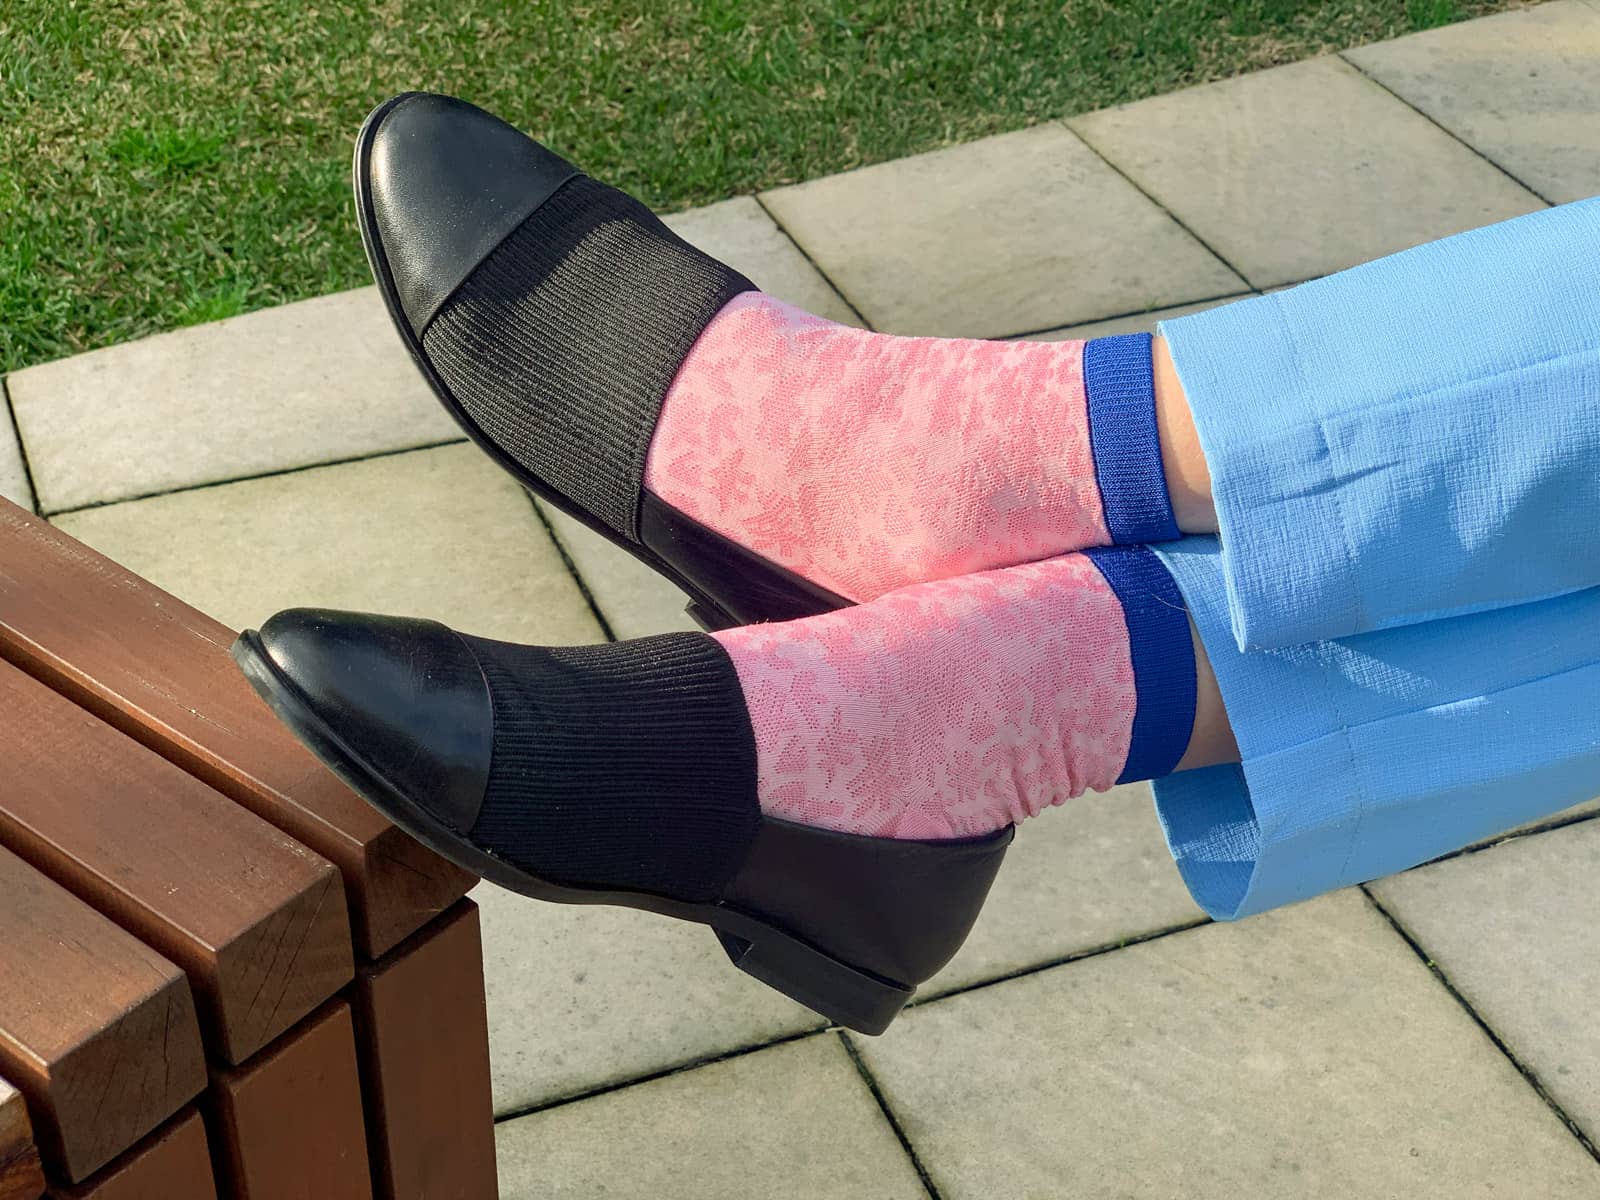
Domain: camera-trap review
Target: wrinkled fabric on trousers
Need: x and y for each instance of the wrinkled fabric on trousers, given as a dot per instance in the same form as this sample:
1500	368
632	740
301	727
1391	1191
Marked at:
1414	438
1366	755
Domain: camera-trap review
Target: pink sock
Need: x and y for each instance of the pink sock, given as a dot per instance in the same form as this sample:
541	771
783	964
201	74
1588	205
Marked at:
954	708
866	462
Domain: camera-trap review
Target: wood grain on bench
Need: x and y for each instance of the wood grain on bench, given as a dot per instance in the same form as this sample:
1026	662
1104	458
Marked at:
173	1163
159	670
256	920
97	1030
288	1124
21	1177
422	1033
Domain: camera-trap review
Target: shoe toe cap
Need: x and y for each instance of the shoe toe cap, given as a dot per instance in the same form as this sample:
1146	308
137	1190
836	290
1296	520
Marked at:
403	699
440	183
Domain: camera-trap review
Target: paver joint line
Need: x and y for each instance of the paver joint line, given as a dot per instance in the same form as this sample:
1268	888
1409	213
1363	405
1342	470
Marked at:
739	1052
217	483
1378	83
1294	133
572	569
1140	312
1063	960
911	245
1249	286
871	1082
1529	1076
1168	931
694	1064
815	266
1512	836
22	450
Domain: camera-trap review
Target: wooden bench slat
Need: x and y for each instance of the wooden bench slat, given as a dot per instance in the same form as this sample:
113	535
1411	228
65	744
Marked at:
21	1176
173	1163
159	670
423	1035
256	919
97	1030
288	1124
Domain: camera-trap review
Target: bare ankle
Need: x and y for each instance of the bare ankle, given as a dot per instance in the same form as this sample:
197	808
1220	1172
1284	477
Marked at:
1188	476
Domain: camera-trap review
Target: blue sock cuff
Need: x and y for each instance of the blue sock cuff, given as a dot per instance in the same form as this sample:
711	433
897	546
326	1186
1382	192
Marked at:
1163	658
1121	388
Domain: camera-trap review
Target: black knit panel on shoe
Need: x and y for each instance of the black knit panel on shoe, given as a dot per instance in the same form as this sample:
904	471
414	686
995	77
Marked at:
563	342
630	765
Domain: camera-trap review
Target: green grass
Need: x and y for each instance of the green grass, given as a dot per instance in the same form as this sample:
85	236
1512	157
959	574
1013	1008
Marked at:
164	162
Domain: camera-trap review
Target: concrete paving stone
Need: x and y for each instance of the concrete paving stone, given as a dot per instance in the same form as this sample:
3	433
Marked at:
1305	1052
740	233
632	597
1143	322
1587	809
1003	236
305	383
584	996
1301	170
1521	88
1514	928
792	1120
435	533
1091	873
13	475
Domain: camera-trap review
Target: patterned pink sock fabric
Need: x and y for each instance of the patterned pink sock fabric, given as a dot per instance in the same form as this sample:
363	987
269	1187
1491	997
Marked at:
944	709
866	462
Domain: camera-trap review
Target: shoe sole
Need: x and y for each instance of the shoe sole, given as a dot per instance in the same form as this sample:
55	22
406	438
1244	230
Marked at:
845	995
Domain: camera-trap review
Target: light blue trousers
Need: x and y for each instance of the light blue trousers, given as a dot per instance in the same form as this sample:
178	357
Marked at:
1415	438
1370	754
1403	612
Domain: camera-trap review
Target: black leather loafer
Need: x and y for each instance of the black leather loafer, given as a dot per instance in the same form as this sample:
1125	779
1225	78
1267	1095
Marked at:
549	313
618	774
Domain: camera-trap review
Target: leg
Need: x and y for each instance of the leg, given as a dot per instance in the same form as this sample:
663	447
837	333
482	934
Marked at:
1407	440
773	464
952	708
1212	743
1184	462
1439	406
775	782
1371	754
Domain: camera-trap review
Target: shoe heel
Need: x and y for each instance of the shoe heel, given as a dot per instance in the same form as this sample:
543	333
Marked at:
846	996
708	616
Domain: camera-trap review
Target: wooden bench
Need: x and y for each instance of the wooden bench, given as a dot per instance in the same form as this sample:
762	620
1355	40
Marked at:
267	991
21	1174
